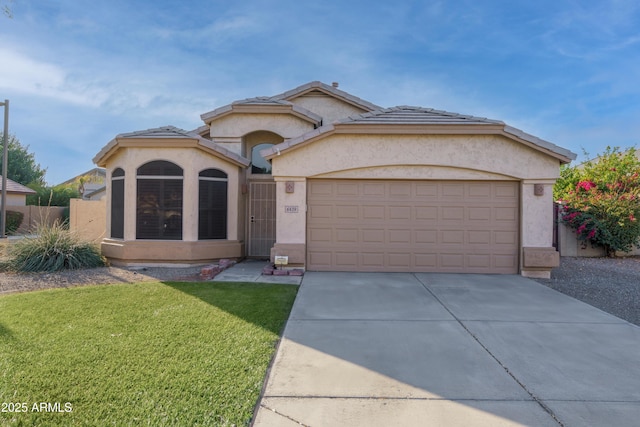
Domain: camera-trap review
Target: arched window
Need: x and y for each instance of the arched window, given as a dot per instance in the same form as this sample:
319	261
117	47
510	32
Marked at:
259	165
159	201
212	206
117	204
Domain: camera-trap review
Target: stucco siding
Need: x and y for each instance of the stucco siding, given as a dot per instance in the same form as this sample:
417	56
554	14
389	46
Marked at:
537	214
482	153
15	199
330	109
237	125
192	161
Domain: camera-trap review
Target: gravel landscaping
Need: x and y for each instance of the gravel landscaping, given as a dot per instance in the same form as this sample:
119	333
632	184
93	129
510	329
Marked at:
611	284
13	282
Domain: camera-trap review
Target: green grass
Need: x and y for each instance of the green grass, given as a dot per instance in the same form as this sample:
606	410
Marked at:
147	354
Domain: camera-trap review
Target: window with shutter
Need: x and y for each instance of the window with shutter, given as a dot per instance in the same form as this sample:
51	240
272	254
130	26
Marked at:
212	205
117	204
159	201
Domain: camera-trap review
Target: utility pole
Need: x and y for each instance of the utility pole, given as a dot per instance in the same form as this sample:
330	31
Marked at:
5	163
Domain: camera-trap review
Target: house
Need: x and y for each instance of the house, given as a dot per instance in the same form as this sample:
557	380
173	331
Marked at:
90	184
16	193
335	183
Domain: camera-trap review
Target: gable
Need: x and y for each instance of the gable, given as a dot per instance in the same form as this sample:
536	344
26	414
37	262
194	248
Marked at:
419	156
326	106
418	121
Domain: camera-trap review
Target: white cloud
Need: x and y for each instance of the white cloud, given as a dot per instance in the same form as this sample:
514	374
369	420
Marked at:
25	75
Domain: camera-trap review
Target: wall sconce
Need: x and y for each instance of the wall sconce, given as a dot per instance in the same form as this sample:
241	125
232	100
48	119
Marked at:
289	186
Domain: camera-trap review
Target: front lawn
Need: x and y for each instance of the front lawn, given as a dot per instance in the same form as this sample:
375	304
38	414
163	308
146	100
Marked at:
145	354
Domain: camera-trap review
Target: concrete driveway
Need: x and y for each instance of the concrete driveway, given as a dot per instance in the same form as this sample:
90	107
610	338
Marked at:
396	349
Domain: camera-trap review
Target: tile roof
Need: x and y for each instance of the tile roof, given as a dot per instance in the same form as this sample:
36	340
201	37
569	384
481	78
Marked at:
264	102
171	132
15	187
406	115
308	87
284	98
160	132
416	115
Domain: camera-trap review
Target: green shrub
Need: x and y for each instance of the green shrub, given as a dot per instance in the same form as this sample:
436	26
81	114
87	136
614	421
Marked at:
14	220
54	248
601	200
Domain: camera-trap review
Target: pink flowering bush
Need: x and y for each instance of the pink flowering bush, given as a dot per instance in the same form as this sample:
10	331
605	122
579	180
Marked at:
601	200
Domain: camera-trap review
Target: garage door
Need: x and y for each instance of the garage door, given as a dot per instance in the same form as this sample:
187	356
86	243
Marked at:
419	226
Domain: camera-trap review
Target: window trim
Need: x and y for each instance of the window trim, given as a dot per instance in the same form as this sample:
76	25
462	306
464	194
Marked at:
163	178
120	214
225	219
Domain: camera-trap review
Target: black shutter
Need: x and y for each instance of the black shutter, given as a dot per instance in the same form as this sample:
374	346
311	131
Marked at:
117	208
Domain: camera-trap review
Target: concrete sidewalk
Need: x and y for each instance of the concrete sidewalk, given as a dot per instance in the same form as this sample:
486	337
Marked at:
250	270
395	349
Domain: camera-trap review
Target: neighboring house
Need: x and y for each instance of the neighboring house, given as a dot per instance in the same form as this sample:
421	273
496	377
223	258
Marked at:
16	193
91	184
337	183
94	193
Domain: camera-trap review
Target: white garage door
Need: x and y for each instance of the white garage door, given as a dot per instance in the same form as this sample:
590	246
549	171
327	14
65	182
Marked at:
418	226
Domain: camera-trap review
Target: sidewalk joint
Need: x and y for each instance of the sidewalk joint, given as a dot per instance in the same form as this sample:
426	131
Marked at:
486	349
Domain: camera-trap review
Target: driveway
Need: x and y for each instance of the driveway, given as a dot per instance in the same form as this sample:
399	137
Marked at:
396	349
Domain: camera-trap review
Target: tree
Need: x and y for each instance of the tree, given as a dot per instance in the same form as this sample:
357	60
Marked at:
22	167
601	200
58	195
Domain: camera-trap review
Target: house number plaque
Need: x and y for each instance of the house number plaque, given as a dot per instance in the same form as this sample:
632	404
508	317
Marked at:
291	209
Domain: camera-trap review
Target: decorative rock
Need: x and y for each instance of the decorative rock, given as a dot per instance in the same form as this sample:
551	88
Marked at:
296	272
267	270
209	272
226	263
280	272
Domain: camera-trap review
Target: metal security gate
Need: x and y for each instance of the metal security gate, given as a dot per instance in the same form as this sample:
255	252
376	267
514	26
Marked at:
262	218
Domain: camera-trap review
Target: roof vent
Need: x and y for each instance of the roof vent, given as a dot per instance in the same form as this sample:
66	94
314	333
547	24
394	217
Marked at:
335	84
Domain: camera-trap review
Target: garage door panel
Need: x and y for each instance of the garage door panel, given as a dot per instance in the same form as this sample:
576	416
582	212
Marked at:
426	236
321	212
374	189
506	261
400	213
426	213
455	237
479	237
347	212
346	189
426	261
399	260
372	259
346	235
373	236
402	237
453	190
400	191
321	260
479	214
506	214
346	259
444	226
452	260
506	191
321	234
479	261
451	213
479	190
426	189
505	238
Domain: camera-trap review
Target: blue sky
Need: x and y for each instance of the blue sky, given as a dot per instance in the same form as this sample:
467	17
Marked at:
77	73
